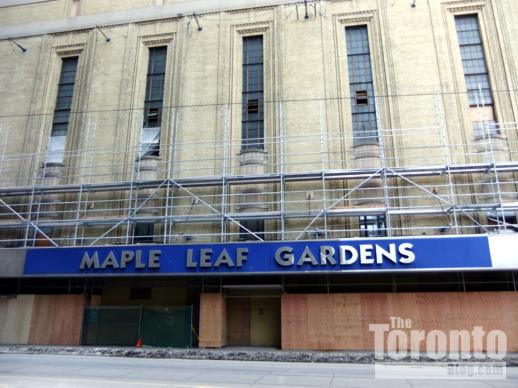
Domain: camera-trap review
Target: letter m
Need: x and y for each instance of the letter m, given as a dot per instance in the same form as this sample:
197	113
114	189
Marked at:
88	261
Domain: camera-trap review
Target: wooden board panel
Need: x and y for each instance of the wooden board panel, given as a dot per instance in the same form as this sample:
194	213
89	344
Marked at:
341	321
57	320
15	319
212	321
294	321
239	317
349	309
374	309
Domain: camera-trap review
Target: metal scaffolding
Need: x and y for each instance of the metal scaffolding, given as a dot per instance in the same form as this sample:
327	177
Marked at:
427	180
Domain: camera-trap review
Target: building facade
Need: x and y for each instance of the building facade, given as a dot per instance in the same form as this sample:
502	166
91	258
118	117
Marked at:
280	173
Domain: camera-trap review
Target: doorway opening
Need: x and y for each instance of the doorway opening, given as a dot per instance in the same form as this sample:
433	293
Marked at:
253	320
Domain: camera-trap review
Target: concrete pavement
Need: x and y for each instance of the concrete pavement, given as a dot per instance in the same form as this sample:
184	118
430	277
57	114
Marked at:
66	371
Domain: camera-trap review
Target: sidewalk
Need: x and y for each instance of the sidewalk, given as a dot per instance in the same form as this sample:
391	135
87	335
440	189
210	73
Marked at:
230	353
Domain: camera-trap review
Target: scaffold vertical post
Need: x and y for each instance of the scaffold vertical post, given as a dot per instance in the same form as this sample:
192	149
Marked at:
81	179
323	161
85	151
492	171
447	159
169	208
4	147
383	158
38	157
78	214
282	139
225	171
135	166
282	181
37	160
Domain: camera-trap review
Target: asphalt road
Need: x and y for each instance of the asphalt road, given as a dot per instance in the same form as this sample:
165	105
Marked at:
45	371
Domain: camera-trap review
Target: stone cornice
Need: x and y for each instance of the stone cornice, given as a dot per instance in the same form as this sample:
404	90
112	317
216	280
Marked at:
355	17
69	50
251	28
464	5
153	40
169	11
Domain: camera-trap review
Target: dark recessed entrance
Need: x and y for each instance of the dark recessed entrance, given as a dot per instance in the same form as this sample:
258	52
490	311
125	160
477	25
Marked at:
253	320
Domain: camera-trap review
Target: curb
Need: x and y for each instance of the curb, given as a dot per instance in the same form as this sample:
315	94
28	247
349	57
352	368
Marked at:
352	357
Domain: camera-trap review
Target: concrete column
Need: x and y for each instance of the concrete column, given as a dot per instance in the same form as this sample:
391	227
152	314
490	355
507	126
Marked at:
147	169
252	198
368	156
51	175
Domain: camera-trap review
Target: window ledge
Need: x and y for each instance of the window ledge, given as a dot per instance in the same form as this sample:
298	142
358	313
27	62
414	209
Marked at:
252	150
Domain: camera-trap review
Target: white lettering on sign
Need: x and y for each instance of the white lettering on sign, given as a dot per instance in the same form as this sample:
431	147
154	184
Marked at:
207	258
365	254
123	260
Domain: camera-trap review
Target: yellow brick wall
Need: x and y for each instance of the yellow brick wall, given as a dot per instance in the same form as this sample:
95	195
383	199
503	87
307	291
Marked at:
414	52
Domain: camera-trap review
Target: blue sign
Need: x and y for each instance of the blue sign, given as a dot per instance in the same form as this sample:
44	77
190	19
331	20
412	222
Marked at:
348	255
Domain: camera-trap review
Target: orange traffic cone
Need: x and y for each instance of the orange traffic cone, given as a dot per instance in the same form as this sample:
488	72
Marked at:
139	343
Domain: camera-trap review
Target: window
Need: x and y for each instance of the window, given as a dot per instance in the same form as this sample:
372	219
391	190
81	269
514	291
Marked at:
40	240
476	75
154	99
361	86
256	226
504	220
61	118
362	97
372	226
253	93
253	106
64	99
144	233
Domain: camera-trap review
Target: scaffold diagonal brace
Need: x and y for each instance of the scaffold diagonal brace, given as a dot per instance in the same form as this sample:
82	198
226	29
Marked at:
29	222
132	214
214	209
341	199
452	205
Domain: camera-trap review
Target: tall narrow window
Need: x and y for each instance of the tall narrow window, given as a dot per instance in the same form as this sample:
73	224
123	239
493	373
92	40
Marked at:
144	233
361	87
253	93
372	226
255	226
476	75
154	100
61	119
